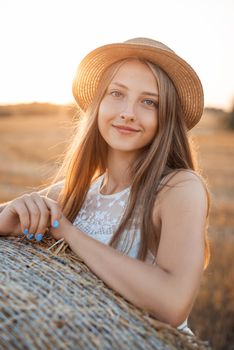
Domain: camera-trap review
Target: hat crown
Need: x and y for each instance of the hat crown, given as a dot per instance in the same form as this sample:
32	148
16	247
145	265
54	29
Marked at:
148	42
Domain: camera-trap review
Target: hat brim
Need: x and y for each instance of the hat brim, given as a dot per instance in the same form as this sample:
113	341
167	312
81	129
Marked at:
184	78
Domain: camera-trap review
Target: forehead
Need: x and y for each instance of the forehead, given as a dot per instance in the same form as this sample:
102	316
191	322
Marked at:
135	73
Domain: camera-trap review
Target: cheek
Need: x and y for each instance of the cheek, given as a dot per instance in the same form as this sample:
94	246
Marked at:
151	123
101	115
100	124
109	107
103	118
106	113
102	108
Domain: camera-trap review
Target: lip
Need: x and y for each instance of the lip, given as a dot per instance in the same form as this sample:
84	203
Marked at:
125	128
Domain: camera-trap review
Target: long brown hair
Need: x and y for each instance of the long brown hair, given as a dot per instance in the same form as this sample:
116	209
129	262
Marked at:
168	153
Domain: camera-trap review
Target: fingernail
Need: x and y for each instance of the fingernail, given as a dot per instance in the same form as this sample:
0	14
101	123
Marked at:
31	236
39	236
55	224
25	231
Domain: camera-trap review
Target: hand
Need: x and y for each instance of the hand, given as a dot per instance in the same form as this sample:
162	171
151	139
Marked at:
30	214
61	228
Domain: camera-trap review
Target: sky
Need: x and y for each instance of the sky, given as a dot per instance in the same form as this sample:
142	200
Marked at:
43	41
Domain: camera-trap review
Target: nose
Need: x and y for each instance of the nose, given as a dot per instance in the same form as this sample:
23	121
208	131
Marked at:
128	113
127	117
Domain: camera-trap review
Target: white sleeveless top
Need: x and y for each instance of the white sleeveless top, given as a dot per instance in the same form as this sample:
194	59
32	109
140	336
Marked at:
100	216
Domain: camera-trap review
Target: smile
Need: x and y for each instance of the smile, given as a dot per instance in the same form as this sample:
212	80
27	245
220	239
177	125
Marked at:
125	130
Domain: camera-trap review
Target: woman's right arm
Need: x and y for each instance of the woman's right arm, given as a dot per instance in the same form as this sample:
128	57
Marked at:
52	192
3	205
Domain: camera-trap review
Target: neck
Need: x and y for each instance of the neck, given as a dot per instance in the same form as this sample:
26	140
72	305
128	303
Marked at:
117	176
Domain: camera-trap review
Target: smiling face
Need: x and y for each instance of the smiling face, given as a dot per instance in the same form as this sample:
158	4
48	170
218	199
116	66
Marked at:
127	115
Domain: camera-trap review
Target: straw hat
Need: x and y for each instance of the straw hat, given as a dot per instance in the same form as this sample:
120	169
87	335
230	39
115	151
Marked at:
183	76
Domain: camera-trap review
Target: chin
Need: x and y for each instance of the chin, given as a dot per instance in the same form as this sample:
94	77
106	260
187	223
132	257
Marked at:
123	149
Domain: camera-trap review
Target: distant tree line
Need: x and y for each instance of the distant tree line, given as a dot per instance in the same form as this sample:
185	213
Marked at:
34	108
231	117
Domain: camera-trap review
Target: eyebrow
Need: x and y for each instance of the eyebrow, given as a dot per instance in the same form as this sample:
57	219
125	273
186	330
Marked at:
143	92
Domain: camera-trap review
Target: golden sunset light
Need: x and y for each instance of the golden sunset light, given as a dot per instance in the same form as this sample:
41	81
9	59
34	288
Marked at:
116	204
42	42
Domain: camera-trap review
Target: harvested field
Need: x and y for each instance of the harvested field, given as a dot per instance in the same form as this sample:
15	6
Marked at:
31	146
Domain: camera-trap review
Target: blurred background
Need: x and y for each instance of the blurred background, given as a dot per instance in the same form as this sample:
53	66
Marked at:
42	43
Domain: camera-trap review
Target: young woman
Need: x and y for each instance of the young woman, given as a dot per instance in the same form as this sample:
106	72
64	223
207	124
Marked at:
131	203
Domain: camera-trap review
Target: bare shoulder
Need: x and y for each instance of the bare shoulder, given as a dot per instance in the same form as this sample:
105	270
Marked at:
183	181
181	176
53	190
180	190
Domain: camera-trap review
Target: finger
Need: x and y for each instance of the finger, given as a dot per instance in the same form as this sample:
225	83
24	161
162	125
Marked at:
34	214
21	210
44	214
55	212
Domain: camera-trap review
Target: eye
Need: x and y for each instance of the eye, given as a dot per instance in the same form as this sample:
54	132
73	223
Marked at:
115	93
150	103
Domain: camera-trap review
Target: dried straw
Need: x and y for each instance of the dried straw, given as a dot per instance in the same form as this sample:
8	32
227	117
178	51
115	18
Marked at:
56	302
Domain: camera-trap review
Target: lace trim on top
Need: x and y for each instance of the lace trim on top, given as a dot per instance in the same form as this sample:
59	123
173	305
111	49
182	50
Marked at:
100	217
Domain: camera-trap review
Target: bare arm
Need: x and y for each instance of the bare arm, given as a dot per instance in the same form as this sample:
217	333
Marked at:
183	211
3	205
168	289
50	191
23	213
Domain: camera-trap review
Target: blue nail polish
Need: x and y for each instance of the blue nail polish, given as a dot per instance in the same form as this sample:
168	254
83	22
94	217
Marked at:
25	231
39	236
55	224
31	236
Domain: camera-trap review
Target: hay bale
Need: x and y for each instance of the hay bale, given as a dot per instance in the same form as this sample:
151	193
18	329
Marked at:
56	302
